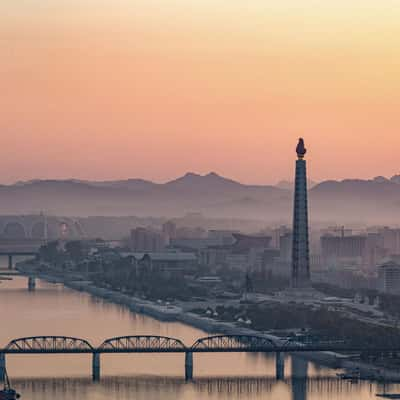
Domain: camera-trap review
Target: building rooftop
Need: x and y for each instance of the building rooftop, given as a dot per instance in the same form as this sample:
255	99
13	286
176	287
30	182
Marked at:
163	256
389	264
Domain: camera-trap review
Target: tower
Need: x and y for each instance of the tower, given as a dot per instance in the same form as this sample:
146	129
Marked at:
300	247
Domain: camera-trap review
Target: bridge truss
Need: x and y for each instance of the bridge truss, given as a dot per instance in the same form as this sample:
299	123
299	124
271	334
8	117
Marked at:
143	344
49	344
164	344
234	343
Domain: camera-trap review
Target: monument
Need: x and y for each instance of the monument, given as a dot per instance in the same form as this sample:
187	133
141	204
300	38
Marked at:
300	278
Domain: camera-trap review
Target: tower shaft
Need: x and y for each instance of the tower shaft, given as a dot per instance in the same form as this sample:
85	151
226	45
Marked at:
300	249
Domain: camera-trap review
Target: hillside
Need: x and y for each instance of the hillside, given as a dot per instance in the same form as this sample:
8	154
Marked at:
376	200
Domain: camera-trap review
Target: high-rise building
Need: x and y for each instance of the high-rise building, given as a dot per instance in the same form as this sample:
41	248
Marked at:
389	277
391	239
145	240
286	244
300	245
337	247
276	234
169	231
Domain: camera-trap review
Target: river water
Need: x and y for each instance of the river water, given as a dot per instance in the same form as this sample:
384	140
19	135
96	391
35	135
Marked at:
54	310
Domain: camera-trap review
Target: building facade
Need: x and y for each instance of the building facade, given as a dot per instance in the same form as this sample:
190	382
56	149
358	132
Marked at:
389	277
145	240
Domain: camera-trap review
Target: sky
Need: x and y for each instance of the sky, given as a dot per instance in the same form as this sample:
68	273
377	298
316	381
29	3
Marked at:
112	89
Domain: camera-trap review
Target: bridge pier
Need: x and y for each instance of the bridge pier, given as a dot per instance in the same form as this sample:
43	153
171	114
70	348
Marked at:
2	367
299	378
96	366
10	261
280	365
188	365
299	367
31	283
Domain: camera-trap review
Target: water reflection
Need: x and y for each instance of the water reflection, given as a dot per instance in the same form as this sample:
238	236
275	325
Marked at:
148	387
54	310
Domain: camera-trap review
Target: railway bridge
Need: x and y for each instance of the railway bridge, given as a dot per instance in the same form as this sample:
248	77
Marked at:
162	344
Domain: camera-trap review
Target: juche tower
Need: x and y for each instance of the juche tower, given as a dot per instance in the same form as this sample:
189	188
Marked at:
300	249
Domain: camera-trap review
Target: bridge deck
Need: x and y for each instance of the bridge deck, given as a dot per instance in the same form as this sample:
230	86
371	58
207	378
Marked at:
16	252
10	273
277	349
164	344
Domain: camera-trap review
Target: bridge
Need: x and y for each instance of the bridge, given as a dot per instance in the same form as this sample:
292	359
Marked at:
10	253
22	235
164	344
19	247
39	227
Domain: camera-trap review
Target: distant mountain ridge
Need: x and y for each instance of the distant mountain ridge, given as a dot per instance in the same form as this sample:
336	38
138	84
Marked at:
289	185
372	200
191	192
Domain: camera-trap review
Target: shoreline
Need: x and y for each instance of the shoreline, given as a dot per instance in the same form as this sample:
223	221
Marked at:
173	313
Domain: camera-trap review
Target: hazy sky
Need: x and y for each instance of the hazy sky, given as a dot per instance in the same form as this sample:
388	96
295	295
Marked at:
154	88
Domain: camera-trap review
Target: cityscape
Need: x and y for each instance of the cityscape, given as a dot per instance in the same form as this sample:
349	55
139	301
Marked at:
199	200
330	296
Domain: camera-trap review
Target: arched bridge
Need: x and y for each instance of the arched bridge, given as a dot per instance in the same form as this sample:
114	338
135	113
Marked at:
164	344
233	343
49	344
142	344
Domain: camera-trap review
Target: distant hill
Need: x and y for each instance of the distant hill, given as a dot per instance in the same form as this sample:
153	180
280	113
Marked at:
376	200
191	192
289	185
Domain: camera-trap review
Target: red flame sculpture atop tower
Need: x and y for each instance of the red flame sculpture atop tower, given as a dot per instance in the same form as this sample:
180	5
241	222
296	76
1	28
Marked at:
300	149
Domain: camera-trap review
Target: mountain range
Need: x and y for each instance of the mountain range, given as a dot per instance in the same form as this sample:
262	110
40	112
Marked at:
376	200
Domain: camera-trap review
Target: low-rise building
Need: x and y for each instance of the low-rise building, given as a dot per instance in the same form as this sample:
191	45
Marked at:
167	263
245	253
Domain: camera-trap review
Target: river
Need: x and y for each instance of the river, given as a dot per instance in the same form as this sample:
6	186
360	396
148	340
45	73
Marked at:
54	310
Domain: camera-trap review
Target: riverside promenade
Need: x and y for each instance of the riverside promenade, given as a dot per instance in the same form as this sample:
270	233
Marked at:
209	325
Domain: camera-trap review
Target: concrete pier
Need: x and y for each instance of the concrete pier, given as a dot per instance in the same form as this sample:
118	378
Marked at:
2	366
299	367
188	365
299	378
96	366
31	283
280	365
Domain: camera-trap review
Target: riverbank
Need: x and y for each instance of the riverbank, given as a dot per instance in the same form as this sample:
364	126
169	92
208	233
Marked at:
177	313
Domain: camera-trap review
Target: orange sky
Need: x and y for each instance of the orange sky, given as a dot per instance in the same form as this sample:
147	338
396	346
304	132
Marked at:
105	89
